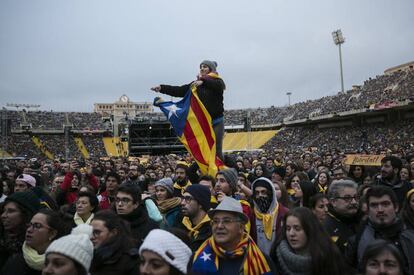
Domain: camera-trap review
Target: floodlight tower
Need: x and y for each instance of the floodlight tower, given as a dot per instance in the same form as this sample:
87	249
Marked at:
288	94
339	40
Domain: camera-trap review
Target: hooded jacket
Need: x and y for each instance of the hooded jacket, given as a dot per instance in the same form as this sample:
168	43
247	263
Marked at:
262	241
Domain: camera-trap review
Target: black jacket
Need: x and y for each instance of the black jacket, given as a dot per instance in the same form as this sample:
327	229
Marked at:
340	228
115	257
140	224
210	93
397	233
17	265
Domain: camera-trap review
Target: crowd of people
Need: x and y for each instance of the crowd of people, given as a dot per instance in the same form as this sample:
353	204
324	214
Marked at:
396	87
368	139
270	212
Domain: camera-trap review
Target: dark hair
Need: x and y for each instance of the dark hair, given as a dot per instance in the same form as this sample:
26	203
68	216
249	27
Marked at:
26	214
113	175
379	191
131	189
308	190
325	256
114	222
395	162
208	178
292	166
315	199
284	199
10	185
352	169
301	175
328	178
377	247
265	174
54	220
407	213
93	200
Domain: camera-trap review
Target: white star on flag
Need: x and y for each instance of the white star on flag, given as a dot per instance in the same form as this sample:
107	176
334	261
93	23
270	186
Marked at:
206	256
173	110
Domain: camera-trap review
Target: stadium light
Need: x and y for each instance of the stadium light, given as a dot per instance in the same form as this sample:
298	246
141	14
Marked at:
288	94
339	40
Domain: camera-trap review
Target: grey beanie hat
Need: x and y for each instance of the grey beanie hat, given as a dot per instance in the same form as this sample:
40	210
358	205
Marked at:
211	64
230	174
167	183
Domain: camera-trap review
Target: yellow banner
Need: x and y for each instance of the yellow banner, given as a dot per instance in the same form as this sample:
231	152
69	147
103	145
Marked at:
364	160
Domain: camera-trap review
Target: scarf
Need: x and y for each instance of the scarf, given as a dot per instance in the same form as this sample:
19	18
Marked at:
291	263
78	220
209	75
263	203
268	220
206	259
182	188
193	231
168	204
33	259
322	189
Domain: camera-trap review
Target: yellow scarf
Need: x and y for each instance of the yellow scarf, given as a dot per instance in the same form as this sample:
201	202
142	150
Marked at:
267	220
78	220
33	259
213	200
193	231
322	189
182	188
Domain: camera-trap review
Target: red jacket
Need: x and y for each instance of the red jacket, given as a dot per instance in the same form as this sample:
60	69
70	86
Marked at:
71	195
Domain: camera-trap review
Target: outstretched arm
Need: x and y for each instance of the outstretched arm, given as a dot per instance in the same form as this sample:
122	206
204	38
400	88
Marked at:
178	91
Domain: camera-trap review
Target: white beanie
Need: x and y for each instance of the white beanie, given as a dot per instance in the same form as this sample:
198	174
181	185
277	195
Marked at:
173	250
76	246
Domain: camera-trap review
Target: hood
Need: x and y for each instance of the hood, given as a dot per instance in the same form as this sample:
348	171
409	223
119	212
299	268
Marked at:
270	184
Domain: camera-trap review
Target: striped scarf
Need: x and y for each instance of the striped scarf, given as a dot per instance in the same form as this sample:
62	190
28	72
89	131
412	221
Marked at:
207	257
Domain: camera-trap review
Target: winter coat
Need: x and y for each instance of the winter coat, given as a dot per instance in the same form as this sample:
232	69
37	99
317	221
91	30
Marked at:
140	224
396	233
116	257
210	94
340	228
17	265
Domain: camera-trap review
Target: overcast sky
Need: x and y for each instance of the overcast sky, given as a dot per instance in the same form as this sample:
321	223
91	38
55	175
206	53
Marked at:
67	55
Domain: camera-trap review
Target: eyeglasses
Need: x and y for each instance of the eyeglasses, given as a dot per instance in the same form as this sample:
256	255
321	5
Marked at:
123	200
37	226
225	221
187	199
348	198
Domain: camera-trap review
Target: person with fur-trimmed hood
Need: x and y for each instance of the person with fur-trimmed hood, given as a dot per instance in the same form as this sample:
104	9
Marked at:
268	213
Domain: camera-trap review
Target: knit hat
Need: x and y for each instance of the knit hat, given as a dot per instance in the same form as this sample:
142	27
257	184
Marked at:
27	200
231	177
201	194
76	246
211	64
167	183
28	179
228	204
173	250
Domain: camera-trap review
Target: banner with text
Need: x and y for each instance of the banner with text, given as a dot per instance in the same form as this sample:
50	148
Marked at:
364	160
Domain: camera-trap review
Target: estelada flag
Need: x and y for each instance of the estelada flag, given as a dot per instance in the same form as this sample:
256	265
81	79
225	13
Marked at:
193	126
